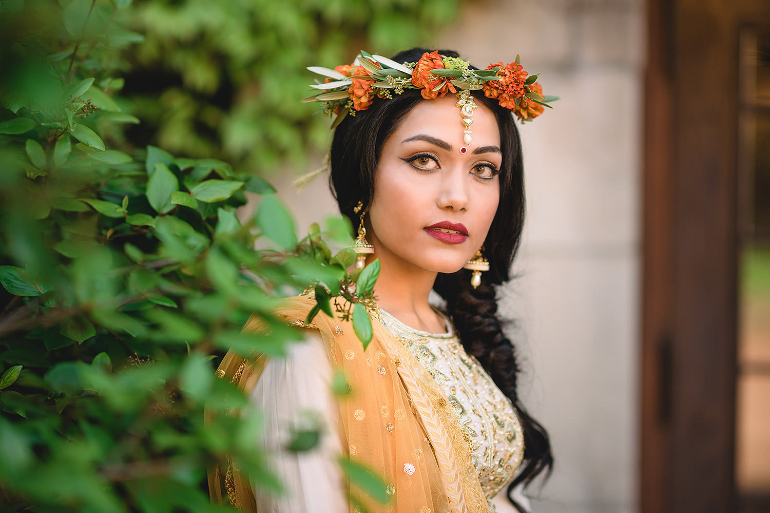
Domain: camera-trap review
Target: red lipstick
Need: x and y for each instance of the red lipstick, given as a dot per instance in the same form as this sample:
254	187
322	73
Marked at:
445	231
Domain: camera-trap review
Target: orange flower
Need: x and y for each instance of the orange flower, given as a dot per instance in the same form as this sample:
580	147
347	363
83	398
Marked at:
361	89
424	79
509	87
527	109
345	69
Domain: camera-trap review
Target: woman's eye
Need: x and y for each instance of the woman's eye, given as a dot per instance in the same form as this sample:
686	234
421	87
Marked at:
485	171
423	162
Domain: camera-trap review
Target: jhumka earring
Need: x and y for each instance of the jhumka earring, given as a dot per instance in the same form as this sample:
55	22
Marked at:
361	246
477	264
467	106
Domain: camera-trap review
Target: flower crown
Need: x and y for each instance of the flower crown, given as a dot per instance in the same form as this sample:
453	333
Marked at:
351	88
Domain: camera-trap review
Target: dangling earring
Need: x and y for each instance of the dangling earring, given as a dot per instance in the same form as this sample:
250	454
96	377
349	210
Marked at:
477	264
361	246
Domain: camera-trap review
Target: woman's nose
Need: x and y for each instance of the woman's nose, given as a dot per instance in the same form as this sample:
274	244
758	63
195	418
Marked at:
453	191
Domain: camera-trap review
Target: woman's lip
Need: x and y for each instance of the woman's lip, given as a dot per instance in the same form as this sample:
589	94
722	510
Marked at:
448	225
451	238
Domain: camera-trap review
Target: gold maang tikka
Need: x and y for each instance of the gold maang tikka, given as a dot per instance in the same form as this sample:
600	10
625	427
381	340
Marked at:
467	106
477	264
361	246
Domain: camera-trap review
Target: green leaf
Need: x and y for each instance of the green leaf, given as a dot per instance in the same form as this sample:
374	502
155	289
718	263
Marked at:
133	252
534	96
10	376
101	99
75	16
119	117
345	258
518	59
175	327
340	386
184	199
81	87
141	220
248	343
311	314
551	98
68	205
215	190
105	208
102	361
303	439
14	281
155	156
122	4
62	150
322	297
87	136
453	73
196	377
259	185
36	153
162	300
362	324
368	277
160	186
365	478
16	126
276	223
78	329
531	79
227	222
111	157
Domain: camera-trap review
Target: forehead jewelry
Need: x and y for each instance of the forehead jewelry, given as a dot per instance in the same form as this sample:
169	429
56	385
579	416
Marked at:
467	106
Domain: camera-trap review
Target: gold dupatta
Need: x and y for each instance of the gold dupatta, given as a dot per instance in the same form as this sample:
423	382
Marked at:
397	421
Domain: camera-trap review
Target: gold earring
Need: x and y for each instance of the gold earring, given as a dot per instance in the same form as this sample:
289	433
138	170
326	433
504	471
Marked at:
361	246
477	264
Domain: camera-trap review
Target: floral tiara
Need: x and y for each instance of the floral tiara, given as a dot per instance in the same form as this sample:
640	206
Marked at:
351	88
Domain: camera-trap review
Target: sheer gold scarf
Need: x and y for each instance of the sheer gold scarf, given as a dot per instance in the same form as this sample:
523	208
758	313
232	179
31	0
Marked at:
397	421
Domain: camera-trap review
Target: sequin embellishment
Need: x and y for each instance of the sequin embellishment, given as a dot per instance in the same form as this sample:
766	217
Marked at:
409	469
359	414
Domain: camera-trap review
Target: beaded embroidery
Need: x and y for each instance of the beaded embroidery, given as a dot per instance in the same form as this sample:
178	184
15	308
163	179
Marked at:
486	416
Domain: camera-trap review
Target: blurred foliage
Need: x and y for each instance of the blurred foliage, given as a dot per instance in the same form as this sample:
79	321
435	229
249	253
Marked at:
125	276
223	79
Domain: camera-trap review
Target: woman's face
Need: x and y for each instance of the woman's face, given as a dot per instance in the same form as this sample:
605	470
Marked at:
432	205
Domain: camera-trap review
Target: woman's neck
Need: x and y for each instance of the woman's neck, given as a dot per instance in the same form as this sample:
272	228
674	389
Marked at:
403	291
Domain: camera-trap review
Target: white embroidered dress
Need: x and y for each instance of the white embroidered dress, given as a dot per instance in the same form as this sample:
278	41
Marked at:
289	388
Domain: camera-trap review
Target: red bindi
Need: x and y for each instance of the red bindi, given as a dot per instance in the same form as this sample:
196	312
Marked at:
463	149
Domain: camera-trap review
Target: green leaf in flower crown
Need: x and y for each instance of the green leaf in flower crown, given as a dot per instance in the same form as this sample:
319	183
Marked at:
10	376
36	153
366	479
62	150
551	98
534	96
453	73
87	136
368	277
184	199
531	79
16	126
275	222
362	324
486	72
113	157
105	208
211	191
160	186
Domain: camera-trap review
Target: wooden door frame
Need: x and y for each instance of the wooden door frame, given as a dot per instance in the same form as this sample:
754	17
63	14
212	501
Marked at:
690	248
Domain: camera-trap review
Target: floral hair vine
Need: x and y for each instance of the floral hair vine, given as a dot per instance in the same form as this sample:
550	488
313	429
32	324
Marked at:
351	88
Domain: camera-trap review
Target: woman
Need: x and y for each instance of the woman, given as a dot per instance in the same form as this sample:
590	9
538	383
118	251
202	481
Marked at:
438	195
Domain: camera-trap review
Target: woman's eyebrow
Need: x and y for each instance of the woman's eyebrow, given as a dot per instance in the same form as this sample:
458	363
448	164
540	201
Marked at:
487	149
432	140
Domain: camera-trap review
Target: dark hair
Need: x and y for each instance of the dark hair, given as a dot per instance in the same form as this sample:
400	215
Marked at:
355	152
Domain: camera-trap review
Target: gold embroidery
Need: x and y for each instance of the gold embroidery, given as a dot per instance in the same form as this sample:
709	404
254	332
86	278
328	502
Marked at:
338	330
390	490
359	414
385	411
389	427
400	415
220	373
417	454
425	509
379	355
352	450
381	370
349	355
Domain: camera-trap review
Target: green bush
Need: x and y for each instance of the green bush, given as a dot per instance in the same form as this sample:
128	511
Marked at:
125	276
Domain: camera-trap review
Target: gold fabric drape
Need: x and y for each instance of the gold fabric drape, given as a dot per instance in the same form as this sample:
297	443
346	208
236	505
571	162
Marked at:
396	420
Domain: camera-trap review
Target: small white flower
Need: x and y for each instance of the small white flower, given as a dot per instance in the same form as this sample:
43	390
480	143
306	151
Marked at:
409	468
